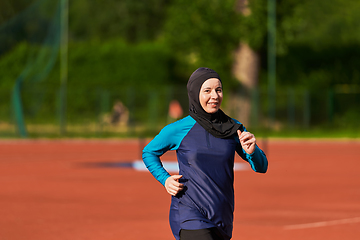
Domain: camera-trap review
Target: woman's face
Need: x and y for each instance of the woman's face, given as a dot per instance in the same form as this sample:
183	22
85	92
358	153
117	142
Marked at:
211	95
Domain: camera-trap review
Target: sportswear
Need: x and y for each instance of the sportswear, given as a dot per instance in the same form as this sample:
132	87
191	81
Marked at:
206	164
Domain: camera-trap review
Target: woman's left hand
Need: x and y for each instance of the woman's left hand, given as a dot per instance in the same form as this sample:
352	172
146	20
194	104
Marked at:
247	141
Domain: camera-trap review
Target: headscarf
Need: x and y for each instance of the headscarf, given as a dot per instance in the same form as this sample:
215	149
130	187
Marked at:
217	124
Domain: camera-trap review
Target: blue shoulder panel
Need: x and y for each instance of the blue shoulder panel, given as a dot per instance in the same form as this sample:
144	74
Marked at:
169	138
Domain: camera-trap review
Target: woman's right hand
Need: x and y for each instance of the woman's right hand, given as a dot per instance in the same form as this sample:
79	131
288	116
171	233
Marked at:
173	186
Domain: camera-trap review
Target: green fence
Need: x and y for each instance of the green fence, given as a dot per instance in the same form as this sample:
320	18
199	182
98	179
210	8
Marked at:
91	112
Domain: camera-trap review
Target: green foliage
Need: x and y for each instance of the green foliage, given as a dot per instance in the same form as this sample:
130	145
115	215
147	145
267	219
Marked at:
318	43
11	65
202	33
253	26
115	67
134	21
115	63
9	8
32	24
129	50
318	24
319	69
126	72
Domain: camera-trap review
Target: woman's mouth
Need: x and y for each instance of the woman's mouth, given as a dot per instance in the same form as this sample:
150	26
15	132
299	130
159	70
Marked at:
214	104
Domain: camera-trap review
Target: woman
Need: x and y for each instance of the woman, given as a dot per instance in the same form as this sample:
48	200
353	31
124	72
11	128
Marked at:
202	202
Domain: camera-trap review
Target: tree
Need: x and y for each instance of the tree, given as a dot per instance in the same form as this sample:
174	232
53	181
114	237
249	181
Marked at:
224	35
318	43
246	63
202	33
134	21
9	9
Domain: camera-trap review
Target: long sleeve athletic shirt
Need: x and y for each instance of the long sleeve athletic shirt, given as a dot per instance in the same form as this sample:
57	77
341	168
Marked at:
207	166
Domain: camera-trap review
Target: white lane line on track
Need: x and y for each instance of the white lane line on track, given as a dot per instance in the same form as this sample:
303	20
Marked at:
322	224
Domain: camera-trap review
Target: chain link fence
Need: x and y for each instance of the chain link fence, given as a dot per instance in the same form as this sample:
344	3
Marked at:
133	112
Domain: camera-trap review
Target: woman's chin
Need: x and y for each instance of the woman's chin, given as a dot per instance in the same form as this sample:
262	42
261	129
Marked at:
212	110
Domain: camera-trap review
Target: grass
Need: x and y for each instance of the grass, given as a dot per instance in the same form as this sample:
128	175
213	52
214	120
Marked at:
89	130
309	133
94	130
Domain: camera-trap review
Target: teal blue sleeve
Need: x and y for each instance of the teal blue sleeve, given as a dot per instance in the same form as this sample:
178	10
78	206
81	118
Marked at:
169	138
257	159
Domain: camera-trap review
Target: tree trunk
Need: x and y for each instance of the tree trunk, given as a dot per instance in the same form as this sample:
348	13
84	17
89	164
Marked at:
246	70
246	66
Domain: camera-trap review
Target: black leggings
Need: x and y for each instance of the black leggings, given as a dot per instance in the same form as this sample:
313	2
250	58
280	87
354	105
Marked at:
201	234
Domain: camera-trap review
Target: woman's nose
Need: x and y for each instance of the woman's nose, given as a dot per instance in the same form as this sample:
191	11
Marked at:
214	94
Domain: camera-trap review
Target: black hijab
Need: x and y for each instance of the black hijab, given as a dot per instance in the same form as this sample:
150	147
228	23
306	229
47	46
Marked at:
217	124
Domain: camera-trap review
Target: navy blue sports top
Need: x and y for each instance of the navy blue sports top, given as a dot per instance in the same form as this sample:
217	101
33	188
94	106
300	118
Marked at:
206	164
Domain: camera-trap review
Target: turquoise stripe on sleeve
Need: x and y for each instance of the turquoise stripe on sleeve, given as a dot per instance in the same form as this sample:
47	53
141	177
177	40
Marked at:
169	138
257	159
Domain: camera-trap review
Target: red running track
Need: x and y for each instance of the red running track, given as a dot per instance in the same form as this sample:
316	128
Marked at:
75	189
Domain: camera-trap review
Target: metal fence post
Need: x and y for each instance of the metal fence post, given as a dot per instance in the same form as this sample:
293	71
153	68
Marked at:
306	119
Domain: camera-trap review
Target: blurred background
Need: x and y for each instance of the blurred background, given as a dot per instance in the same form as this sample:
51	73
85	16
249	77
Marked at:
119	68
